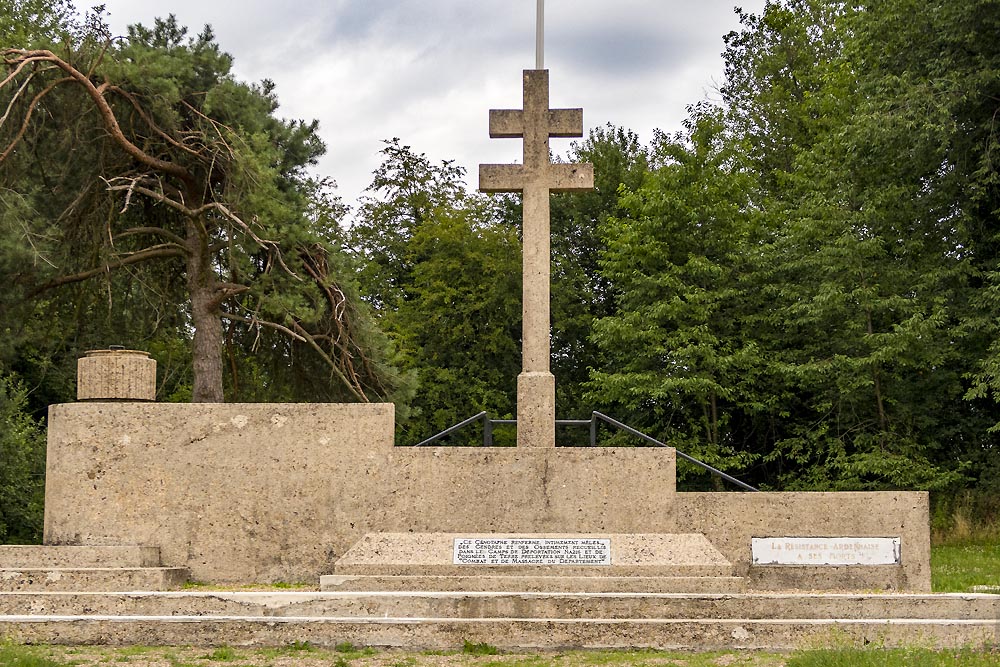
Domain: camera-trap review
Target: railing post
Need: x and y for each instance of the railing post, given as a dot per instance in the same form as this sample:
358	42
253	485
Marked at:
487	431
593	429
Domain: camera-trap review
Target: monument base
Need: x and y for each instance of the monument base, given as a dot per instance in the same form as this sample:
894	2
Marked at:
534	562
536	410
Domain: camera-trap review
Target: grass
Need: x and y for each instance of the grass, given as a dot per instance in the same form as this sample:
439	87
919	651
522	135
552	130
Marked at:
911	657
965	556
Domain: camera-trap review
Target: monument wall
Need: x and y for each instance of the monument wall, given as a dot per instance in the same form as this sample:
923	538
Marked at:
277	492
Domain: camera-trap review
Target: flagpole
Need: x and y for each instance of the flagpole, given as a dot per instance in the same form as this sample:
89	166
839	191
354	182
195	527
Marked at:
540	36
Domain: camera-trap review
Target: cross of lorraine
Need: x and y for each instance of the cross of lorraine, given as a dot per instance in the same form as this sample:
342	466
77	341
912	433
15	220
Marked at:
536	177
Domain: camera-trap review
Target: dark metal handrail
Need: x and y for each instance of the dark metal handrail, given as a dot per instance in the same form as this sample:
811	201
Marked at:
702	464
592	423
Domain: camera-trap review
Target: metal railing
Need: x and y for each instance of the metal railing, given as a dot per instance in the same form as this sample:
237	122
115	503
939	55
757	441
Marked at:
595	417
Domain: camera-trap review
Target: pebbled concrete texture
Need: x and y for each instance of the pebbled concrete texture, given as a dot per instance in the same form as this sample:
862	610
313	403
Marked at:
632	555
242	493
116	375
14	556
450	634
760	606
729	520
537	583
92	579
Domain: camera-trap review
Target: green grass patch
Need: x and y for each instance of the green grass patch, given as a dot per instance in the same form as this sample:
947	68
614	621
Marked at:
910	657
222	654
469	648
959	565
13	655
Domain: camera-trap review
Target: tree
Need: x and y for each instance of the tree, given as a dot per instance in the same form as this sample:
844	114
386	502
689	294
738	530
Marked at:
581	293
22	481
443	267
147	152
679	365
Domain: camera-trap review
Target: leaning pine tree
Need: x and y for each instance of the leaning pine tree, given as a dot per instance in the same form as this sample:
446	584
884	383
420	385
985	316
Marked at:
145	155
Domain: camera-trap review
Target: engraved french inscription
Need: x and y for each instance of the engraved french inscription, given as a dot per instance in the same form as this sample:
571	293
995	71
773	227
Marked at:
532	551
825	550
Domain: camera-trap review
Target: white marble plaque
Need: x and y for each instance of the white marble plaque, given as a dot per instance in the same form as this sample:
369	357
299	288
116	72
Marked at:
825	550
532	551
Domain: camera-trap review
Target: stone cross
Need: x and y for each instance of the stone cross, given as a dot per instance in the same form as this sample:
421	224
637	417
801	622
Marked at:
536	177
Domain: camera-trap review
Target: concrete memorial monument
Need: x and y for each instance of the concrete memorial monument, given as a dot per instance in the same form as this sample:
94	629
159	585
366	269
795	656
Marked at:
536	178
256	493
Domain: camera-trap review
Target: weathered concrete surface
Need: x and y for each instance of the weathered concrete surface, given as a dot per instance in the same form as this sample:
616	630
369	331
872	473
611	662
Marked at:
235	492
729	520
536	177
278	492
510	634
258	492
527	490
107	375
509	605
92	579
533	584
632	555
14	556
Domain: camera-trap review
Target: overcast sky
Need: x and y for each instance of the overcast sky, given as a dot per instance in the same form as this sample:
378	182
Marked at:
428	71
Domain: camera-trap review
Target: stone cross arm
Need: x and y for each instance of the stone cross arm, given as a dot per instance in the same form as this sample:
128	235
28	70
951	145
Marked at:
562	123
557	177
536	123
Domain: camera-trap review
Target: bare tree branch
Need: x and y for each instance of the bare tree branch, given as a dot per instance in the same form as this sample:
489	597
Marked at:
149	121
107	113
163	250
155	231
27	116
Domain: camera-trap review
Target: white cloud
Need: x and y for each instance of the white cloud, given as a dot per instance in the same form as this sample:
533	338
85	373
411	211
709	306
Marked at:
429	71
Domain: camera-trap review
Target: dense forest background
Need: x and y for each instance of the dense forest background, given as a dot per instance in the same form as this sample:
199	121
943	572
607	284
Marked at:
802	288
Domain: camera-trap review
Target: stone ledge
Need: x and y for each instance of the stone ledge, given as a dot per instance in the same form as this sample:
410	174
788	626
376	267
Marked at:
35	556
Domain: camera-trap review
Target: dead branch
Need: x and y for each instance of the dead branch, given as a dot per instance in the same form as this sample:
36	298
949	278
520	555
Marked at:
27	117
104	109
155	231
14	98
162	250
149	121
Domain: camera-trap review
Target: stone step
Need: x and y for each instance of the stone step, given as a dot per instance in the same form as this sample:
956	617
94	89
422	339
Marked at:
537	583
650	555
38	556
504	633
92	579
506	605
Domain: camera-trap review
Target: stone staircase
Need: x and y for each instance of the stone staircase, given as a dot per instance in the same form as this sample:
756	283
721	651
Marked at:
641	563
86	568
510	621
120	596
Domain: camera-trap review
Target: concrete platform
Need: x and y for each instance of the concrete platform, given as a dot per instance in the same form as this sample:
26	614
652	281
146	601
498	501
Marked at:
443	621
641	555
15	556
504	633
92	579
534	584
757	606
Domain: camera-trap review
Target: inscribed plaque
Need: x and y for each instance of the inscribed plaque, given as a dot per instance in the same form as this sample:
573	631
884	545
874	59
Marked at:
537	551
825	550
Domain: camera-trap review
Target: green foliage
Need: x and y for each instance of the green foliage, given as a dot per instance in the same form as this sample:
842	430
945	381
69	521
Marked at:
676	361
222	654
580	292
482	648
959	566
196	177
22	482
918	657
13	655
